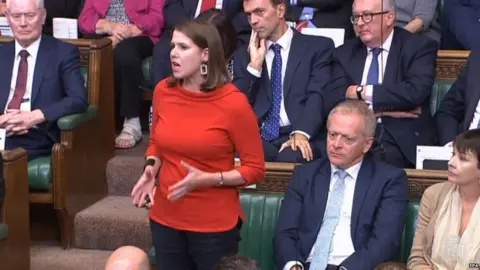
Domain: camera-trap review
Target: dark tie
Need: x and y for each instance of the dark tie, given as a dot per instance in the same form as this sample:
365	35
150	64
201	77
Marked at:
207	4
271	126
21	85
372	77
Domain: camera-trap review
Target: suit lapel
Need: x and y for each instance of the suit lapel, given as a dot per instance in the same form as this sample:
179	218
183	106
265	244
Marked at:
364	179
190	7
296	48
6	75
41	65
267	83
390	76
359	56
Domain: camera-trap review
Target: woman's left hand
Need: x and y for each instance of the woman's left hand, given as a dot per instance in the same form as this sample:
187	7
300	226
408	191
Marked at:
194	179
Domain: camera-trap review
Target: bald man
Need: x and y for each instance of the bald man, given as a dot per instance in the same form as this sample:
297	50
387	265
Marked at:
128	258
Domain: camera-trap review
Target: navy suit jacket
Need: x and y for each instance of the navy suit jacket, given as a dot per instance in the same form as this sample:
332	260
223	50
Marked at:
378	217
460	19
308	72
407	84
457	108
178	11
58	90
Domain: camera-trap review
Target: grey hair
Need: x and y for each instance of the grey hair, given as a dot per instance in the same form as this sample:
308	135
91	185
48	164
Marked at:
40	4
359	108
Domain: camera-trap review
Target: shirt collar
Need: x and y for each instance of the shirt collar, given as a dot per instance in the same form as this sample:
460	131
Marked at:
352	170
284	41
386	44
32	49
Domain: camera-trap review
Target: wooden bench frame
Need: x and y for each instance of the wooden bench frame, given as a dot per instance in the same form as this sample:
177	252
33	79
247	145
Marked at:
79	160
15	249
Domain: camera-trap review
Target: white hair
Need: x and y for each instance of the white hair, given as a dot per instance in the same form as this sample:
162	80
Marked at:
40	3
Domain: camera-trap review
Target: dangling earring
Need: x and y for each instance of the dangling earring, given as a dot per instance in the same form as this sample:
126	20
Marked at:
203	69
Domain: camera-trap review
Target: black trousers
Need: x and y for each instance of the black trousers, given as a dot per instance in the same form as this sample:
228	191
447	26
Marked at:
161	67
184	250
386	149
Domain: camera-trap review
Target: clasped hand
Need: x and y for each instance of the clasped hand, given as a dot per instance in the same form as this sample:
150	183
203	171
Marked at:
299	142
16	122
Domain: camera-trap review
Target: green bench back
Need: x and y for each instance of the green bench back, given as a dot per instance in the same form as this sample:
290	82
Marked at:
440	88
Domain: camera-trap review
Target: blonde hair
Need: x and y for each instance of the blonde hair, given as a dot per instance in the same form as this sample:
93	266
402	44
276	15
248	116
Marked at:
360	108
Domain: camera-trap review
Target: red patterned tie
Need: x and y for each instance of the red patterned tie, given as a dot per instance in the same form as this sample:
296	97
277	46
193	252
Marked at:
208	4
21	85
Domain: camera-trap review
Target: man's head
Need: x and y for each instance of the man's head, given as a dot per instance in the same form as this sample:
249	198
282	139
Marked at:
267	17
128	258
351	127
237	262
372	21
26	18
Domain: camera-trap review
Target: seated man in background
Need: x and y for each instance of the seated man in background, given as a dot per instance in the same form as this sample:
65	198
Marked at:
322	14
460	21
237	262
393	71
346	211
128	258
459	110
283	73
40	81
178	11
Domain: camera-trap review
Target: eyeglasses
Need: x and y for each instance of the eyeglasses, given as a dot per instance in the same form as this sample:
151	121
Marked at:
366	17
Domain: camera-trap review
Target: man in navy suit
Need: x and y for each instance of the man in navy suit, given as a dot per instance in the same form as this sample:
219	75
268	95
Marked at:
178	11
393	70
283	73
460	108
40	81
347	211
460	20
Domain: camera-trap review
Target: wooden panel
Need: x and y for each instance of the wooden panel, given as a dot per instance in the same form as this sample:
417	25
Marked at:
278	176
450	64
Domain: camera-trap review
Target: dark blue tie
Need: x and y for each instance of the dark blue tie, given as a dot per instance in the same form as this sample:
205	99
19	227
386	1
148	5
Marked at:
271	126
372	77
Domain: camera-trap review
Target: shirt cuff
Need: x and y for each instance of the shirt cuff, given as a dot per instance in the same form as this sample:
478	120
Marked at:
254	72
369	94
307	14
291	264
300	132
293	2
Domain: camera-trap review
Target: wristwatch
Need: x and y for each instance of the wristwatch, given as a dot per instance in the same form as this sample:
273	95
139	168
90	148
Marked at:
359	91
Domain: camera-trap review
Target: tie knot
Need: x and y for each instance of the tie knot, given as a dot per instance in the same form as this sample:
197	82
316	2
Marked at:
376	52
341	174
23	54
276	48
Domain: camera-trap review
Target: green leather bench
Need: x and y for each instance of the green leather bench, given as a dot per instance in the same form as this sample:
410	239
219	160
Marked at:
40	170
257	232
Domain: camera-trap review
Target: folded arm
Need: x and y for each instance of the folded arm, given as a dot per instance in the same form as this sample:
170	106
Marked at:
388	226
416	86
151	23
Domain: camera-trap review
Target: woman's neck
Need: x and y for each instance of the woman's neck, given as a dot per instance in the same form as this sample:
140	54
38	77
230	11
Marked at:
193	84
470	193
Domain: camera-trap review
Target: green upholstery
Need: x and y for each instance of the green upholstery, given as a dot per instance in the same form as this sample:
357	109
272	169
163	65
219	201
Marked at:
3	231
262	211
147	74
440	88
69	122
40	173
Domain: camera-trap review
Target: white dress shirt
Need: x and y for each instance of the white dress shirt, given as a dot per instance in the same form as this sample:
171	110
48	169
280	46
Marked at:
476	117
218	5
285	41
342	245
31	60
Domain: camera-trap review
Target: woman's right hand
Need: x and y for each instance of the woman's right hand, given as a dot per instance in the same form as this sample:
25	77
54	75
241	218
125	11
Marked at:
145	186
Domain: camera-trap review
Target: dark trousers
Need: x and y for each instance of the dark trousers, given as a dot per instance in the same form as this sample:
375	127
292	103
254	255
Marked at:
271	148
128	57
161	67
184	250
386	149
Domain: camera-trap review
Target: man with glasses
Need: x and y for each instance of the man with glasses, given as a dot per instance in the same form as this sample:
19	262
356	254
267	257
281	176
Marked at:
393	71
40	81
346	211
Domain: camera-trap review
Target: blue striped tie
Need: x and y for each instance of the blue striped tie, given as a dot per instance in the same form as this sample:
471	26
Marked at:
271	126
323	244
374	70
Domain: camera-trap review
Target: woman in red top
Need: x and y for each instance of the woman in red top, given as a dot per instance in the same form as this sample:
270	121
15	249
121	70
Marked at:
200	120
